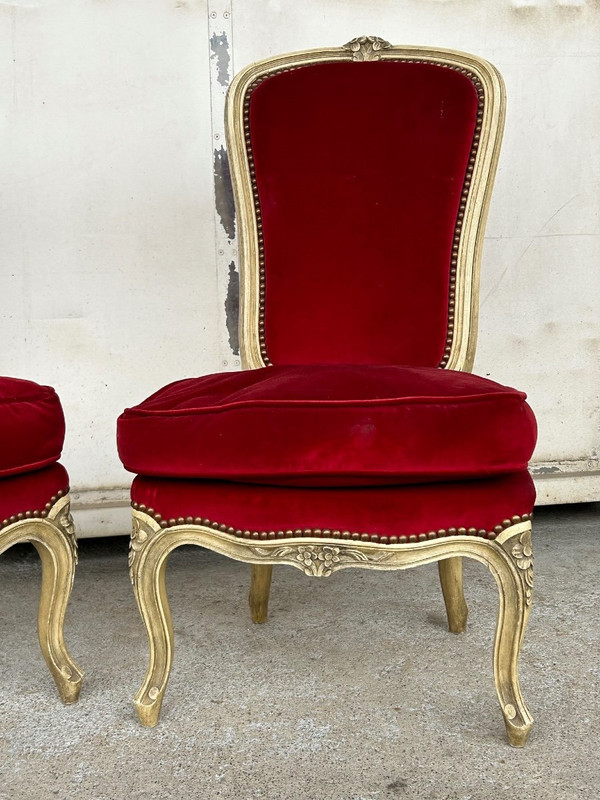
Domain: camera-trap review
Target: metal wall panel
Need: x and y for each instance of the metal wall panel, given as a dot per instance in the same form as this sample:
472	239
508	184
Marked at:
119	261
540	292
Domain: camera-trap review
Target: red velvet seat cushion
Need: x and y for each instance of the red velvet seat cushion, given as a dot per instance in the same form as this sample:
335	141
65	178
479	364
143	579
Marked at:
20	494
32	426
329	425
273	512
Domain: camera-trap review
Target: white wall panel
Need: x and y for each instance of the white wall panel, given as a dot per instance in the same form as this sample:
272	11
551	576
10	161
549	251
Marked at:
540	292
115	269
107	269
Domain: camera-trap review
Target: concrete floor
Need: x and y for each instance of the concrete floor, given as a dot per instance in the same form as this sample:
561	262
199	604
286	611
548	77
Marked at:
353	690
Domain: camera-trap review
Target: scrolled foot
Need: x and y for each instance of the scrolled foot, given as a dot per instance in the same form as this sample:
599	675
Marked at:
148	706
517	733
68	682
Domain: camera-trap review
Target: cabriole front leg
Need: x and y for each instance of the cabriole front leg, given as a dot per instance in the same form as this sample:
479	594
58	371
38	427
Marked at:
57	577
514	575
149	551
55	541
57	548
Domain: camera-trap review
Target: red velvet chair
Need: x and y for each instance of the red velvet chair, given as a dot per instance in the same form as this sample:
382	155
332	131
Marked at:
356	436
34	507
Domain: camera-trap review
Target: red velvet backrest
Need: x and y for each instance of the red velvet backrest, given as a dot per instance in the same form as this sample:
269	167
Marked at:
360	173
359	170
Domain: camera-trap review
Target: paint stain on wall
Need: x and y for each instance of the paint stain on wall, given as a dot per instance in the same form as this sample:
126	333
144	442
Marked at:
232	304
221	61
224	192
219	50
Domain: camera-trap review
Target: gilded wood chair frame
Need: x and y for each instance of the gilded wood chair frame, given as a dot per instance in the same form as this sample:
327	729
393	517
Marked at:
506	550
474	207
52	533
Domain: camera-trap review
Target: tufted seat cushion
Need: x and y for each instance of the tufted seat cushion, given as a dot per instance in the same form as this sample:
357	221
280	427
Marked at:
32	426
329	425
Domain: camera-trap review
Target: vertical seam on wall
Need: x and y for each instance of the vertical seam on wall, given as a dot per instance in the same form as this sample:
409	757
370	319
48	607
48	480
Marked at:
220	39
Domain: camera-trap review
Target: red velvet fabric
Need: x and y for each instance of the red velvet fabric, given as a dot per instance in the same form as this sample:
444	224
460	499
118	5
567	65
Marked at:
31	492
359	170
329	425
386	511
32	426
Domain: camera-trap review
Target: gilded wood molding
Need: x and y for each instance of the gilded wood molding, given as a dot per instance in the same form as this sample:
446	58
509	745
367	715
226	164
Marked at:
61	515
367	48
54	538
508	558
463	306
521	552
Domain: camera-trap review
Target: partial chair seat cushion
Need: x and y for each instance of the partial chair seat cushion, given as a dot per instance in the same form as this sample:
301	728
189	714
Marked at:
396	513
32	426
329	425
30	495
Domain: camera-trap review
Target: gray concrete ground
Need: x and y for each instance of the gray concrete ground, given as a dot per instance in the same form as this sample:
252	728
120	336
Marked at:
353	690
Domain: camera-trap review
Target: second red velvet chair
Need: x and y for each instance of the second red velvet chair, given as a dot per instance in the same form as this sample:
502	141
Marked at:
356	436
34	507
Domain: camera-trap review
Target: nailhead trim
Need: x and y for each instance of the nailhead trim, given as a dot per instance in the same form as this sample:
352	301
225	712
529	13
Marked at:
459	218
33	514
326	533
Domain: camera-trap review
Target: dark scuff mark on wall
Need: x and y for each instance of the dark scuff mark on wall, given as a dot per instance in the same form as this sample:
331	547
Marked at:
232	304
224	192
219	47
220	66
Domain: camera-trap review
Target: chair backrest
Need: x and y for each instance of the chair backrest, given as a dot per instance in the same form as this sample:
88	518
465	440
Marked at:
362	177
